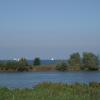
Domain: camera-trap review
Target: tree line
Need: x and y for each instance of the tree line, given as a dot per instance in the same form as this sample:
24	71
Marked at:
88	61
21	65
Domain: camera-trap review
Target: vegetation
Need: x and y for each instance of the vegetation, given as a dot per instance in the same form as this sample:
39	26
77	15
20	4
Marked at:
23	62
88	61
75	60
21	65
36	62
62	66
50	91
44	68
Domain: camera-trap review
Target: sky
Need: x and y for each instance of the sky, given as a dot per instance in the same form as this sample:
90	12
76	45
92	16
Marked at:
48	28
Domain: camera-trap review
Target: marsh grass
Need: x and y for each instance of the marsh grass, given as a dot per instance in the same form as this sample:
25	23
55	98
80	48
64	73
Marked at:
53	91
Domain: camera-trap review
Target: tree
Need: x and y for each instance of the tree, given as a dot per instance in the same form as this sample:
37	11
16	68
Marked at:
36	61
90	61
98	60
23	62
62	66
75	59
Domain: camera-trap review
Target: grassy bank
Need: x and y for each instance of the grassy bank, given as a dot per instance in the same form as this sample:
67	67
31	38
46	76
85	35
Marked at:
40	68
49	91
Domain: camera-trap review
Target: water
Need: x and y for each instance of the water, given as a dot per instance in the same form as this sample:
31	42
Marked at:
31	79
47	62
43	62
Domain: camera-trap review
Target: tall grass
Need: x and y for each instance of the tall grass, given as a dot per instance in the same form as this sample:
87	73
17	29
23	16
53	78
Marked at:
51	91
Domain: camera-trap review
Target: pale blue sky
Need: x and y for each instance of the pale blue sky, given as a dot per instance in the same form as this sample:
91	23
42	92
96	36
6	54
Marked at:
48	28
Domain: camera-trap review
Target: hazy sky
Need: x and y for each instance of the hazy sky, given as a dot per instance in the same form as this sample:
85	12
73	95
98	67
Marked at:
48	28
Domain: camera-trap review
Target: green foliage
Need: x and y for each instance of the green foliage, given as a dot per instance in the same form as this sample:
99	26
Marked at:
20	65
22	69
62	66
23	62
36	62
75	60
90	61
98	61
53	91
2	64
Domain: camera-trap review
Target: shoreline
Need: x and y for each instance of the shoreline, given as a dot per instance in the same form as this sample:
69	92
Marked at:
53	91
47	68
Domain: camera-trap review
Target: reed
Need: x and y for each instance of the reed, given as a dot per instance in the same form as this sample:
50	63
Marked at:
54	91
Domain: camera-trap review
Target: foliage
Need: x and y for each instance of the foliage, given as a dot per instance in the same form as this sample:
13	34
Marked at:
98	61
22	69
23	62
62	66
53	91
36	62
90	61
10	65
75	59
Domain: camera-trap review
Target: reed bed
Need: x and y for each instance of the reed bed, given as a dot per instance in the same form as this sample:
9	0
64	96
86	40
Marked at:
54	91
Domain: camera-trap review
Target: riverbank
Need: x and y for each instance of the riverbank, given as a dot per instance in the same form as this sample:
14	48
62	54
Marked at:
50	91
62	67
40	68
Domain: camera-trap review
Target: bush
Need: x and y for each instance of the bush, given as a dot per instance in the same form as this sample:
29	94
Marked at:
36	61
75	60
22	69
62	66
90	61
23	62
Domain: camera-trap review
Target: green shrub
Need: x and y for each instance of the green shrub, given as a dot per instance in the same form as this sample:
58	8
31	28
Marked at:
62	66
36	61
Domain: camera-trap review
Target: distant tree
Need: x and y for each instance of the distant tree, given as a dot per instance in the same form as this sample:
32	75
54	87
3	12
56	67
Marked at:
11	64
62	66
75	60
36	61
98	60
90	61
23	62
2	64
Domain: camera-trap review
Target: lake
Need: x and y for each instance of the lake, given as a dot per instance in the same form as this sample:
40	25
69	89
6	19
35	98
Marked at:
43	62
31	79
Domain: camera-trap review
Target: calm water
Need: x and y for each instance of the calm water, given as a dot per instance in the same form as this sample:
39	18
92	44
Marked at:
47	62
29	79
43	62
